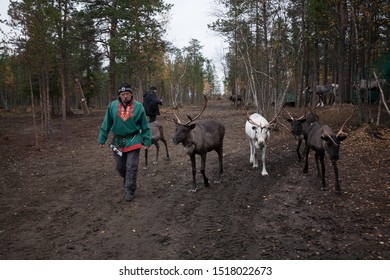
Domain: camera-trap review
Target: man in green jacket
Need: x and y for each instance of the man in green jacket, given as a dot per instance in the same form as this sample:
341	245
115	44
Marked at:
127	120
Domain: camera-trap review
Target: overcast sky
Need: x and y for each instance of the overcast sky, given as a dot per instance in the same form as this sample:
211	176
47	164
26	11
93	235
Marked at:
3	11
189	19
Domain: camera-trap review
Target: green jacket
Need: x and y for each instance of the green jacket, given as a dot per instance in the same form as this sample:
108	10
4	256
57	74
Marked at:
129	125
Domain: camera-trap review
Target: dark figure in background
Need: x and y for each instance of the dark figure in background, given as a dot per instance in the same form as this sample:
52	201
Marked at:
126	119
151	103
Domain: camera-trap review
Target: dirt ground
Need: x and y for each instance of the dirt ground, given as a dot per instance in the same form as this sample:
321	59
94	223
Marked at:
65	200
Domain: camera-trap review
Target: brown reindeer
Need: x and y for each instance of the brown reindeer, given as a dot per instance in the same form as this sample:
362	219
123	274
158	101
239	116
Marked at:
321	139
300	127
199	138
157	133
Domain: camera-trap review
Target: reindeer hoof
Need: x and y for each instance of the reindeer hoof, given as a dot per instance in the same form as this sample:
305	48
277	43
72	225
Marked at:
155	163
192	190
324	188
145	167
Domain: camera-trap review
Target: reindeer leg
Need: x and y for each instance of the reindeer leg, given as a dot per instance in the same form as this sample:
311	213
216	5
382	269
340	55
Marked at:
157	150
264	171
336	175
203	169
146	160
306	151
193	163
166	147
298	150
250	152
323	184
252	157
316	155
220	170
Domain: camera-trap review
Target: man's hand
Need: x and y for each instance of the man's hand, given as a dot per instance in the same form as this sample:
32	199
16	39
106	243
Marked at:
102	145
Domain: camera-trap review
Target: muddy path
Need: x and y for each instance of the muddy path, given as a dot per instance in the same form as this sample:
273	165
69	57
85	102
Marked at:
65	201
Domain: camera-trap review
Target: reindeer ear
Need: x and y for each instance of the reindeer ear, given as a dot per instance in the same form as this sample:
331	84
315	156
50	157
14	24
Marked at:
271	126
325	137
289	119
192	126
302	120
341	136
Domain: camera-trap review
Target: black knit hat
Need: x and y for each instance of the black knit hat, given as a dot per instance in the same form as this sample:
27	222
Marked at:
153	88
124	88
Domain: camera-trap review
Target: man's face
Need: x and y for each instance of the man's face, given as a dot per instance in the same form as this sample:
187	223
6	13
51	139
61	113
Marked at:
126	96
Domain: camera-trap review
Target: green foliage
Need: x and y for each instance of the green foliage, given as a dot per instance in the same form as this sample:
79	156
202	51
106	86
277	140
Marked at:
319	17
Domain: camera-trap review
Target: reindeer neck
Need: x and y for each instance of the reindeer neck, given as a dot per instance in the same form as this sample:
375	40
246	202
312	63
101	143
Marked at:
188	145
191	138
189	141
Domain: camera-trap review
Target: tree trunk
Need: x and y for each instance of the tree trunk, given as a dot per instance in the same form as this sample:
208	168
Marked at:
304	55
342	11
63	101
48	128
3	102
33	113
316	70
112	60
266	93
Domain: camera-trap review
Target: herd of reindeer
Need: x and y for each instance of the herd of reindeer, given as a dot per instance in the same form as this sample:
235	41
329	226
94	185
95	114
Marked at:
326	94
203	136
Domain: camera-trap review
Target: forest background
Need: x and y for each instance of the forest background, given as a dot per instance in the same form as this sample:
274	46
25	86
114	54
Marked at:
65	55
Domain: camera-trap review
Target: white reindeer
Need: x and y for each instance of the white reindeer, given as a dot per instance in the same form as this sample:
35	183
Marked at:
257	130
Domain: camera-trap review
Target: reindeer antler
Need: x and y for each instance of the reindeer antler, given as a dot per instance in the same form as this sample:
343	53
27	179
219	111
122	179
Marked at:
177	121
322	127
189	117
289	114
250	120
341	129
274	119
304	115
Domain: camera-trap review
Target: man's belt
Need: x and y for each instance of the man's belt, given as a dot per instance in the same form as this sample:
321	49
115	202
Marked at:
120	140
130	135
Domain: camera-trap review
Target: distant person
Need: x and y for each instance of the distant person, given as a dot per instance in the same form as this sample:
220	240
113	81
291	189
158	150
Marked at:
126	119
151	103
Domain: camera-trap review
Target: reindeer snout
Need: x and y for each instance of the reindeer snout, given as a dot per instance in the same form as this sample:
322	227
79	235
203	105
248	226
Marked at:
260	145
